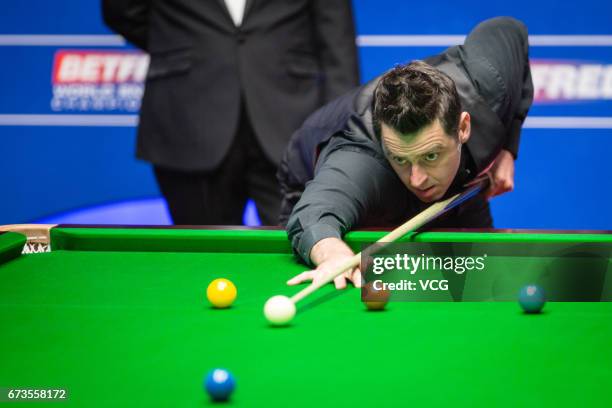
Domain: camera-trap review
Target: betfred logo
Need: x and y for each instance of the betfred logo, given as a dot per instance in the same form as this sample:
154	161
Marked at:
99	67
567	81
95	81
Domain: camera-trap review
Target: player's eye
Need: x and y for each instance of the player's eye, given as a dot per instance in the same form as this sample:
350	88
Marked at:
400	160
431	157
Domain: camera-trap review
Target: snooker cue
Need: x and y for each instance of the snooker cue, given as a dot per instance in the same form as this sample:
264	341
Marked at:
430	213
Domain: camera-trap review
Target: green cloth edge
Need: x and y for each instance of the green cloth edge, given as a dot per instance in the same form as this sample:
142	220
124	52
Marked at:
265	241
11	245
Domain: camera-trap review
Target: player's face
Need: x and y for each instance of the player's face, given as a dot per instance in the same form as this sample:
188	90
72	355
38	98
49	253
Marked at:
426	161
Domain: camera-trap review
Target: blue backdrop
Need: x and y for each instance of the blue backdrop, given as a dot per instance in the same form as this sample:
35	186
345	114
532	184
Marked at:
67	142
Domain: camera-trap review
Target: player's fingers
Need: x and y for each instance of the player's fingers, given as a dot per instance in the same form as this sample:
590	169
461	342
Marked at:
319	275
491	191
350	275
340	282
302	277
502	185
356	277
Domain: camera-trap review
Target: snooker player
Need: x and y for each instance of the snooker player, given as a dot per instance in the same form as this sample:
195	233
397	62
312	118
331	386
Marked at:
417	134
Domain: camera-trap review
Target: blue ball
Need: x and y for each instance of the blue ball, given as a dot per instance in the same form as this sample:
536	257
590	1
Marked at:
531	298
219	384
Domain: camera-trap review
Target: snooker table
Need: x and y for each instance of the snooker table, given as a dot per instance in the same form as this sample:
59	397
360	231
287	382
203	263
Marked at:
118	317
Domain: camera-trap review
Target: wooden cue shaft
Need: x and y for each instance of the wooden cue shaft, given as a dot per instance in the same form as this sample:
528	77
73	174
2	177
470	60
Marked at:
415	222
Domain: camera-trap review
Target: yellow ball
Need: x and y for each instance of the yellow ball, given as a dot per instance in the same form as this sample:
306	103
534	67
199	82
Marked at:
221	293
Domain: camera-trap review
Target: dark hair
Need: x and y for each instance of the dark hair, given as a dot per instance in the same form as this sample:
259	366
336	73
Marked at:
412	96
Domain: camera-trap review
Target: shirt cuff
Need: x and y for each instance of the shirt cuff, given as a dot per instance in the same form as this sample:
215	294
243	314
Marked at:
311	236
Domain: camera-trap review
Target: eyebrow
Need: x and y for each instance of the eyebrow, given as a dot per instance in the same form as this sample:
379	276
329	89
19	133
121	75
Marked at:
433	149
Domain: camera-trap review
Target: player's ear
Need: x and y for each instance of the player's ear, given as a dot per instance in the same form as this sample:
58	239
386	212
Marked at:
464	127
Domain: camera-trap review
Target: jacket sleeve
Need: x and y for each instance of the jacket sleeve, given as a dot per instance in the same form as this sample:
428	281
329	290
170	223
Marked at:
335	36
346	187
130	18
514	132
526	98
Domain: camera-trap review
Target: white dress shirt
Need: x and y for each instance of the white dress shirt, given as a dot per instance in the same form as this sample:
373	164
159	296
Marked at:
236	9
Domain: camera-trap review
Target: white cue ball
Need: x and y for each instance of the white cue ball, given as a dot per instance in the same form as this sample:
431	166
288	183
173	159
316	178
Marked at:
279	310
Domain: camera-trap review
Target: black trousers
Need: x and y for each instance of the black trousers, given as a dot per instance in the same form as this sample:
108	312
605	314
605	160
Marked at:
218	197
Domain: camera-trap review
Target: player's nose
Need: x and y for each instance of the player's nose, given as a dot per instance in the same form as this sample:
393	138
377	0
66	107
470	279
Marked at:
418	178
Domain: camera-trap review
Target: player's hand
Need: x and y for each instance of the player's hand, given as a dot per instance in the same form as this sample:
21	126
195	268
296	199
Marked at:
501	175
327	267
329	254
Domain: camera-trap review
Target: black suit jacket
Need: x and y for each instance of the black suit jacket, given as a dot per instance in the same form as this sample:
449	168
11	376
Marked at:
334	175
348	121
287	58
